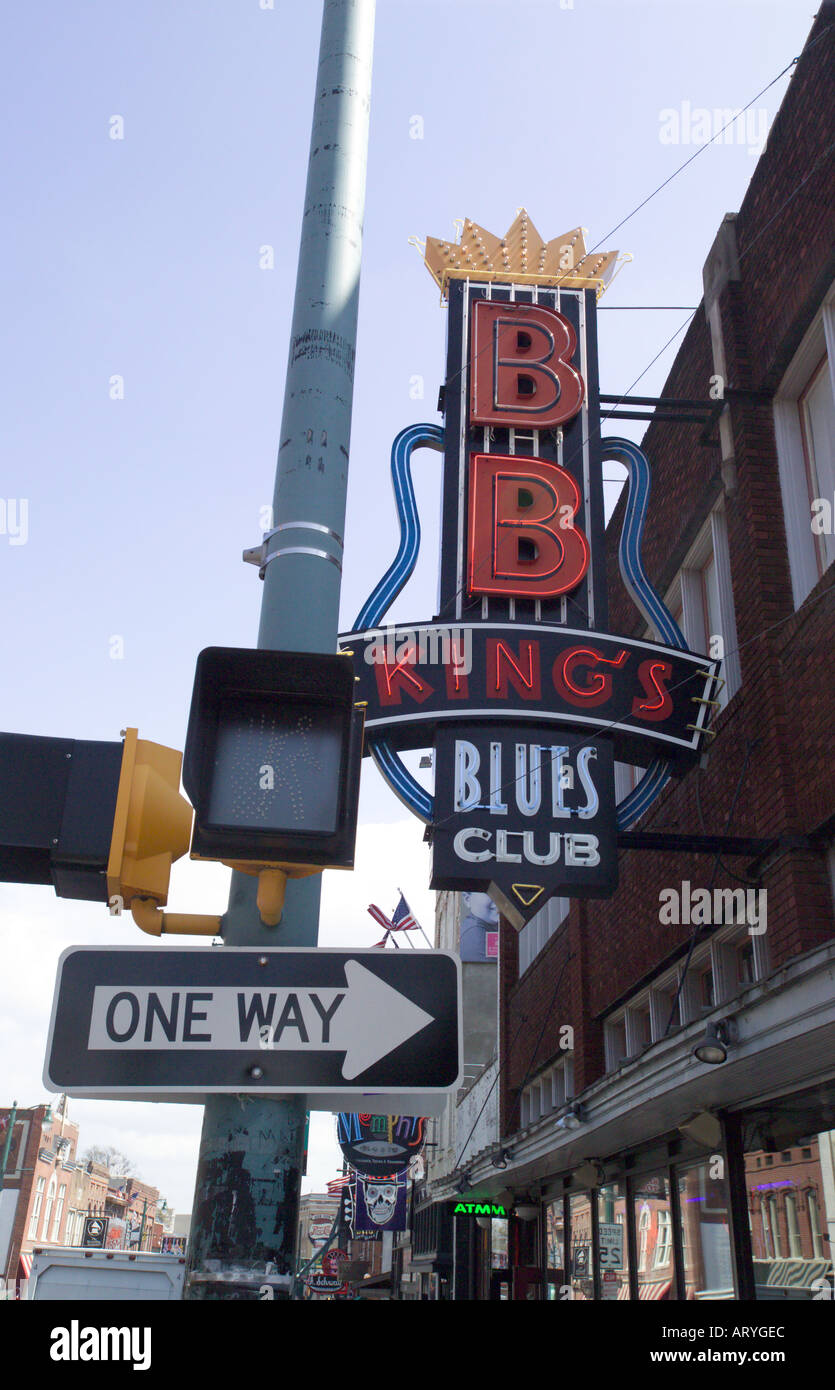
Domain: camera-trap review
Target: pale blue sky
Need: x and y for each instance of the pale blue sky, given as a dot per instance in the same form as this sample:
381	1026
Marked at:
140	257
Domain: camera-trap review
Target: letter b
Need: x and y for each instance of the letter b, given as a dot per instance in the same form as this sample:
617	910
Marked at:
521	374
518	542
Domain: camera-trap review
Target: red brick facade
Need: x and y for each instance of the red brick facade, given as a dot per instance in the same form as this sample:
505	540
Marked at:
769	771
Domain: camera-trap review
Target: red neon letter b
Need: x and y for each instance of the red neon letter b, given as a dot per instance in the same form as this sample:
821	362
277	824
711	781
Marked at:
518	541
521	374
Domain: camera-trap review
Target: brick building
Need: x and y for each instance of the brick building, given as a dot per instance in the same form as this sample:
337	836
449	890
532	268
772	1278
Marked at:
39	1187
48	1192
643	1171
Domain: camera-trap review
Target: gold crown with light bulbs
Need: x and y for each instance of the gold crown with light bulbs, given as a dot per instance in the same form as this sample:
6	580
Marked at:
520	256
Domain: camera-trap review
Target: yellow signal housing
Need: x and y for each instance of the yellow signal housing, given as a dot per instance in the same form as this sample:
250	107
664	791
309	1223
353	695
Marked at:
152	822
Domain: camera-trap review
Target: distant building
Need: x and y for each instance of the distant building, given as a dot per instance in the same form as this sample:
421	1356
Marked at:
48	1193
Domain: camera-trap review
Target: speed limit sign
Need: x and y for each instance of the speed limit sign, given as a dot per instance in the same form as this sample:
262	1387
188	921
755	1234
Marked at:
611	1245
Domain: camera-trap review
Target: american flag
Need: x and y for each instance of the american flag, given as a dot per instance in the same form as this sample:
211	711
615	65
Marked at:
402	919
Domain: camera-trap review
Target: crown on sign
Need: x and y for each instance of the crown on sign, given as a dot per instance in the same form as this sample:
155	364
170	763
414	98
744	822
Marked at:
521	256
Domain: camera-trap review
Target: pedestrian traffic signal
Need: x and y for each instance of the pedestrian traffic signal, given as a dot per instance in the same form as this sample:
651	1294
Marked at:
272	758
94	819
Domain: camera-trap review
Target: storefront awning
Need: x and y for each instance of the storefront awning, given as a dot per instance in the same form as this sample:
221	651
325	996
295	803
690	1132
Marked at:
656	1288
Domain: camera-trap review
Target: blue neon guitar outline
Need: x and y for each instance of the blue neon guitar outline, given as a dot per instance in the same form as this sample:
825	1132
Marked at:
651	607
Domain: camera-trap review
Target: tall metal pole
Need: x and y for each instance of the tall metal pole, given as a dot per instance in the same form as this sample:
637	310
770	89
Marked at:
246	1203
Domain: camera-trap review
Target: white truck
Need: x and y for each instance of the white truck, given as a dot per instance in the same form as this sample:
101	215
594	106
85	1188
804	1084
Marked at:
76	1275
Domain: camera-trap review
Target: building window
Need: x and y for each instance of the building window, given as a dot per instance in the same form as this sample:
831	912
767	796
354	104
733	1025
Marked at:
534	937
814	1224
651	1198
36	1209
614	1042
59	1211
804	427
548	1093
701	599
664	1240
50	1198
791	1225
774	1222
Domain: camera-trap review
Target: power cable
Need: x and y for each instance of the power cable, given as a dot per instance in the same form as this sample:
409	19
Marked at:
455	375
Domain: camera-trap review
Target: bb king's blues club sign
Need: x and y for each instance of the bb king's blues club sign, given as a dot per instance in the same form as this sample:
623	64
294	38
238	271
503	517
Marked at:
516	682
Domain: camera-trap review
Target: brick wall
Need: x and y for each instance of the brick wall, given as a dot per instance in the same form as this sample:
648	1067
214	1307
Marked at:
770	768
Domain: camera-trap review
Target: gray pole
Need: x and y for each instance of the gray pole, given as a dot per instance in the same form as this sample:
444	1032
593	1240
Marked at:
246	1201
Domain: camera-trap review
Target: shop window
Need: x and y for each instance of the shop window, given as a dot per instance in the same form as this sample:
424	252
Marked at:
804	427
790	1223
555	1248
581	1278
612	1248
705	1232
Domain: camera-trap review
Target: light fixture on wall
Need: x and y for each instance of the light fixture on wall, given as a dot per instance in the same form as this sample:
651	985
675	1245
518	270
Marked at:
463	1183
526	1210
499	1160
572	1117
712	1049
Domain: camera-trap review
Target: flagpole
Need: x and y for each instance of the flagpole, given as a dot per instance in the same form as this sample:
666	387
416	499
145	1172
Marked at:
417	923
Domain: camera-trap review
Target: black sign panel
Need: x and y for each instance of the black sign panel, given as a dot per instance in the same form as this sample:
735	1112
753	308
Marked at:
523	818
182	1023
94	1235
650	698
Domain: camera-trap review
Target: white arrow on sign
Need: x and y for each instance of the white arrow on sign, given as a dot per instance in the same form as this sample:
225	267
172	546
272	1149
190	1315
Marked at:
366	1019
376	1019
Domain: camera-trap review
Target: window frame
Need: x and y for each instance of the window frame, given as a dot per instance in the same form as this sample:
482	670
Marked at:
799	483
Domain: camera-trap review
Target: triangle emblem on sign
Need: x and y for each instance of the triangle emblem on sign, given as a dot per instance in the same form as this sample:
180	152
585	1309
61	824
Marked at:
530	895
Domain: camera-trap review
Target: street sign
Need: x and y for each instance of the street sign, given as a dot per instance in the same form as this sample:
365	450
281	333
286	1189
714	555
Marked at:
610	1236
369	1030
326	1283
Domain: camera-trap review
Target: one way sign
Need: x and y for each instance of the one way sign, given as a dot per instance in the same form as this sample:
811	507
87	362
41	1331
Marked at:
345	1028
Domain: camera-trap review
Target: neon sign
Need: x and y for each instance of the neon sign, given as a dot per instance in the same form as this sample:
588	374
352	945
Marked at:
527	729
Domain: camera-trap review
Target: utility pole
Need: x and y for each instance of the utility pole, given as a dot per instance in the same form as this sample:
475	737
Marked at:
245	1217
